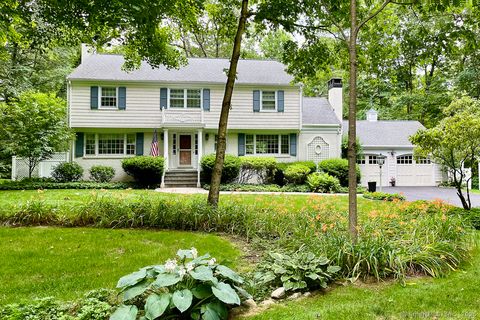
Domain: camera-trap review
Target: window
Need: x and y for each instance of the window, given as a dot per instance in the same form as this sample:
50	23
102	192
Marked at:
268	100
267	144
108	97
196	144
407	159
249	144
110	144
361	160
185	98
90	144
174	144
285	144
423	161
372	159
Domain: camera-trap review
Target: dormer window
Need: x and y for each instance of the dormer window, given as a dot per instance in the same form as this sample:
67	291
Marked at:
268	101
185	98
108	97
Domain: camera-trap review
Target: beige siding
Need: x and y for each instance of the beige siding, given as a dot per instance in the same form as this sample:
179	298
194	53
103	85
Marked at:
143	108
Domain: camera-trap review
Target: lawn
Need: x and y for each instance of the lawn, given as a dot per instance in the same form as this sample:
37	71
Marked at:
64	263
454	297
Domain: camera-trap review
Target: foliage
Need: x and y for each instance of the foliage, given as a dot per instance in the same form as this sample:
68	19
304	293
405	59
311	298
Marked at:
261	187
231	168
323	182
95	305
279	177
454	142
35	127
301	270
102	173
296	173
263	168
344	147
67	172
41	185
384	196
145	170
338	168
190	285
472	216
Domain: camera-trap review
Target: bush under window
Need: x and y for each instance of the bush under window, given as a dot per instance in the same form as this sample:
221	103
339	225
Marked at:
231	168
262	168
323	182
67	172
102	173
338	168
296	173
145	170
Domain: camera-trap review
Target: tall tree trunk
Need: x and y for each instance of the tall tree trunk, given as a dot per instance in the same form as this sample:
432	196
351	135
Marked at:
213	194
352	118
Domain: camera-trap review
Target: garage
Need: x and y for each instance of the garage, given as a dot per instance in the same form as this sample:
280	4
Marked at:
370	169
414	172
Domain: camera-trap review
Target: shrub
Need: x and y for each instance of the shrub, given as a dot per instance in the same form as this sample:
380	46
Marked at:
19	185
323	182
67	172
261	187
302	270
231	168
279	175
338	168
384	196
296	173
192	287
145	170
261	167
102	173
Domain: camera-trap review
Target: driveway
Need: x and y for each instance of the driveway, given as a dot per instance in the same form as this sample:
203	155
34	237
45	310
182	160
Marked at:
431	193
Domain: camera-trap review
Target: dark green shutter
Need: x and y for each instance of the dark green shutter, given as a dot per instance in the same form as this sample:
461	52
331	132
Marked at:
256	100
206	99
139	144
293	144
163	98
79	144
122	98
241	144
280	101
93	97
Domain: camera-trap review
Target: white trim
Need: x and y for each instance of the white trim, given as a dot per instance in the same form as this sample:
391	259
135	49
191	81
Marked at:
185	98
112	155
276	101
192	149
100	107
279	136
186	83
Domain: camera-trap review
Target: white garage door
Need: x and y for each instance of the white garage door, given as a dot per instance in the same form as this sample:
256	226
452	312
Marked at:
371	170
411	172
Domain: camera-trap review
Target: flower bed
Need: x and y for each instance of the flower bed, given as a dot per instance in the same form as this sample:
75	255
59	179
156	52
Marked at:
384	196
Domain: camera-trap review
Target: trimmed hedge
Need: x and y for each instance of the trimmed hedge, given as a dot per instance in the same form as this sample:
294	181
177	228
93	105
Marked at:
231	168
261	187
67	172
261	167
279	177
338	168
323	182
296	173
102	173
384	196
19	185
145	170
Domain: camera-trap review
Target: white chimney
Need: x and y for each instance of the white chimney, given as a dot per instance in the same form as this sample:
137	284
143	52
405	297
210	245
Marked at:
372	115
87	51
335	96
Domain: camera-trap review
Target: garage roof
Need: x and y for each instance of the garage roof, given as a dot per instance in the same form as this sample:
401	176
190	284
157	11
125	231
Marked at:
385	133
198	70
318	111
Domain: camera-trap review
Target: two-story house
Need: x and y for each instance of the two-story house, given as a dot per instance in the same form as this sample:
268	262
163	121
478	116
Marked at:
115	113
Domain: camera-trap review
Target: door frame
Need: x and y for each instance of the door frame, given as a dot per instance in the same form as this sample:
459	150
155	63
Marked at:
179	134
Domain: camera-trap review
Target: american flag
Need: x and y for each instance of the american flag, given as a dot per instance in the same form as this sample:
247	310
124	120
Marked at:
154	147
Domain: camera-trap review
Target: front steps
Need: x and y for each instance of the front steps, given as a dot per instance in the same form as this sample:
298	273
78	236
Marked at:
181	179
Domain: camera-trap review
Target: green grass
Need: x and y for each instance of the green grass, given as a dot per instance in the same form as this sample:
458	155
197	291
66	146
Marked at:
65	263
454	297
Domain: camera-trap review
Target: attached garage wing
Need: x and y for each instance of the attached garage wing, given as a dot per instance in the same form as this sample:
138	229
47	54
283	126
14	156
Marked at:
414	172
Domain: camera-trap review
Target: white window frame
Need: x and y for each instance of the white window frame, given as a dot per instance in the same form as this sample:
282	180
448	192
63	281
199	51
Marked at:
97	155
185	98
401	160
100	106
423	161
279	136
261	101
362	160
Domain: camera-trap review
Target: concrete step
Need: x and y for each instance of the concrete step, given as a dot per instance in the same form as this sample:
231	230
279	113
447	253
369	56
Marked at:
180	185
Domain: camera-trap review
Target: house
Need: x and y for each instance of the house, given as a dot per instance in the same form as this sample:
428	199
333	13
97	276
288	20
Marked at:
391	140
115	114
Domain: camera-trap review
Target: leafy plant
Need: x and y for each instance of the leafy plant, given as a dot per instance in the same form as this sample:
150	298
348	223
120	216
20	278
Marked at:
323	182
231	168
262	168
102	173
193	286
279	176
145	170
301	270
338	168
67	172
384	196
296	173
20	185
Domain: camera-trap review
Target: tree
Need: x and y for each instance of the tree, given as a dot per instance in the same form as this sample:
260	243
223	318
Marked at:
454	142
214	191
35	127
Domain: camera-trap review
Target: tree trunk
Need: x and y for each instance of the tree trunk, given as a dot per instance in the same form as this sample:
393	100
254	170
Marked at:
352	118
213	194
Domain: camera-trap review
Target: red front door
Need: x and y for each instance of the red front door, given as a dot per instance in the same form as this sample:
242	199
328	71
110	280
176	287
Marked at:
185	150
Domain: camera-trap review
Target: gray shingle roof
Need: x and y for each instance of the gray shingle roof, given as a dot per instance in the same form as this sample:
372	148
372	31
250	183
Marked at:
108	67
385	133
318	111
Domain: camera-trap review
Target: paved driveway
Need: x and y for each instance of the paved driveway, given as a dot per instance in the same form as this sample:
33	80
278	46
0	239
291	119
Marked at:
431	193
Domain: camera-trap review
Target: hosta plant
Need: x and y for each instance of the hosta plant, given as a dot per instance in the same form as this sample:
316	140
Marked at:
188	287
299	271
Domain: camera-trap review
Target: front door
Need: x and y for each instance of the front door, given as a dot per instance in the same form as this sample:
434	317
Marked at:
185	150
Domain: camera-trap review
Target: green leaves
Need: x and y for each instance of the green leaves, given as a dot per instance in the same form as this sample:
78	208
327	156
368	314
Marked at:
182	299
156	305
203	273
229	273
132	279
125	313
225	293
166	279
135	291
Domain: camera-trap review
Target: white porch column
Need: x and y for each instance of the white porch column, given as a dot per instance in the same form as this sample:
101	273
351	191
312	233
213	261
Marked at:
165	156
14	168
200	154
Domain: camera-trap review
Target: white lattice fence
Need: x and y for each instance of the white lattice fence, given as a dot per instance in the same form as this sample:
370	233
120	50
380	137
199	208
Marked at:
43	169
318	150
